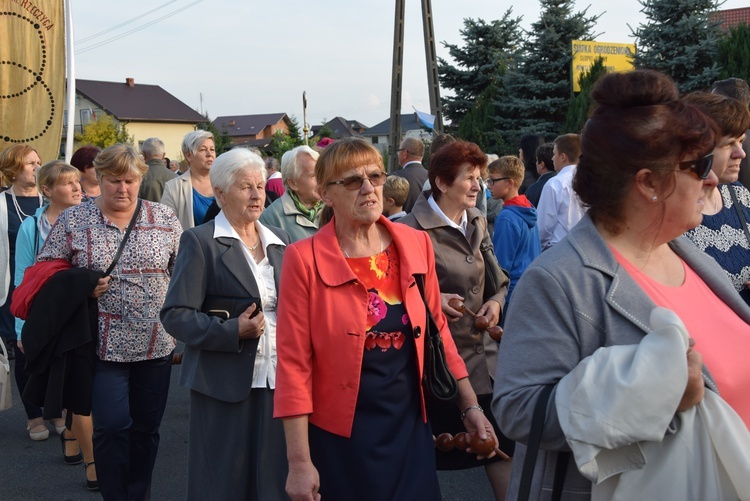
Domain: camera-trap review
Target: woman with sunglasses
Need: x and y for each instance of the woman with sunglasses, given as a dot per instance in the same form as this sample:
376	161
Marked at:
722	234
350	339
457	230
645	175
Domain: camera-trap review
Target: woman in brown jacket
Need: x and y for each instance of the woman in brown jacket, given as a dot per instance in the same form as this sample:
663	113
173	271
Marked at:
457	229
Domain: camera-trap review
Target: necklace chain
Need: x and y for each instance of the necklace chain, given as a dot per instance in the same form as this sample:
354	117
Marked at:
21	214
380	238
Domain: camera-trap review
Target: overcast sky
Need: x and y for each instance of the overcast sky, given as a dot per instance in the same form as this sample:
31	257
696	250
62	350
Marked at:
248	56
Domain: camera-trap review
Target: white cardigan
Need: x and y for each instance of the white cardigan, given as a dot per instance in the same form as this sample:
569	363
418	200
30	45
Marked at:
178	194
617	409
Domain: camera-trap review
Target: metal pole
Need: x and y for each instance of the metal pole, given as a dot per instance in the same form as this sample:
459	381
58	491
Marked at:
432	70
71	81
305	128
398	56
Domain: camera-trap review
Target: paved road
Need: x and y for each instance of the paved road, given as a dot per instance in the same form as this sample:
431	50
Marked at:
35	471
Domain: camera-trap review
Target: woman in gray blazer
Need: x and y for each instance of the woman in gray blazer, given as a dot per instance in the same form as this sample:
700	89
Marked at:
222	304
644	174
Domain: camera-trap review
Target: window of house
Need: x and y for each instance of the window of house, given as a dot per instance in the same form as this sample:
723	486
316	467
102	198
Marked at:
86	116
374	139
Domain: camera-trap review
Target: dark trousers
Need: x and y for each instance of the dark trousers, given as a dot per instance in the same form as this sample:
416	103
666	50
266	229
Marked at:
128	403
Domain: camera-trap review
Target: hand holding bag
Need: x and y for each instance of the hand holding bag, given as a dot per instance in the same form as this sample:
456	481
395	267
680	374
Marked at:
438	381
6	392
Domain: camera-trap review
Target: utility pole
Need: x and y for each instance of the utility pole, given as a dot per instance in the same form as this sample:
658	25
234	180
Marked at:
397	73
397	76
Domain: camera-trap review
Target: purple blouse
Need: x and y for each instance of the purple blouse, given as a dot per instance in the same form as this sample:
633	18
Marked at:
129	326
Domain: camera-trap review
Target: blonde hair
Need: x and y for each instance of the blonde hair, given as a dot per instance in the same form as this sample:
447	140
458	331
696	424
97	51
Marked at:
50	173
509	166
397	188
119	160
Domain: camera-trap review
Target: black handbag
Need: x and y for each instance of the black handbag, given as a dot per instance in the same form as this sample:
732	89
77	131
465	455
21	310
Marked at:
438	381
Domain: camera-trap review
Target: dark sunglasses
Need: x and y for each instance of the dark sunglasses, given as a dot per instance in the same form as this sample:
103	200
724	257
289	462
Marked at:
701	167
355	182
491	181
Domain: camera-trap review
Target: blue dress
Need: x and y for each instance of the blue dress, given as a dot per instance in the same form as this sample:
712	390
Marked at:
390	455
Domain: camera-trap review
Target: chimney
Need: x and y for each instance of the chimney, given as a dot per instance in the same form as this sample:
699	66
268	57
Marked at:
231	123
130	82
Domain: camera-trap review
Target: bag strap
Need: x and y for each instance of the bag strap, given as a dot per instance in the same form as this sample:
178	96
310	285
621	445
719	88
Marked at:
532	450
430	319
740	214
535	439
124	239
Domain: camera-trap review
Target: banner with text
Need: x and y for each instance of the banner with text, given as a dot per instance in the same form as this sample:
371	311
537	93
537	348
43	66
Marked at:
32	74
616	56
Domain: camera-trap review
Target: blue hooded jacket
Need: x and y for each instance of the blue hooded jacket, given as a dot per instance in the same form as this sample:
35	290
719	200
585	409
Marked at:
516	241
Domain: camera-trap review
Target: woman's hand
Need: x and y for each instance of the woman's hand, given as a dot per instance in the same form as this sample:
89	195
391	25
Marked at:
19	345
101	287
251	328
451	314
303	482
491	310
695	388
476	422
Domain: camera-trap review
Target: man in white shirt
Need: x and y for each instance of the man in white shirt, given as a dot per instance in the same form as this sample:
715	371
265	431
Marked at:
559	207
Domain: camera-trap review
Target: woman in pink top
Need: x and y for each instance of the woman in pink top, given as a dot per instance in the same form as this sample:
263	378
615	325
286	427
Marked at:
644	174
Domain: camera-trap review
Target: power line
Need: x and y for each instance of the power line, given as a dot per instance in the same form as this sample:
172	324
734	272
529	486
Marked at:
124	23
139	28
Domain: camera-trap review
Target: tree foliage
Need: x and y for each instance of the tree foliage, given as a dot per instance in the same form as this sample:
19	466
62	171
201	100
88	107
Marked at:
295	133
734	53
222	141
104	132
480	63
580	105
680	39
538	90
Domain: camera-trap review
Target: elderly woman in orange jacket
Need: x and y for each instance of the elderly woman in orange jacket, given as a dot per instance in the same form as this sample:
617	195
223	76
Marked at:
351	326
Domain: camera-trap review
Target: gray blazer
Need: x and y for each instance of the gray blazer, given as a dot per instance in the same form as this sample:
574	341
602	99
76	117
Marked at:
572	300
216	363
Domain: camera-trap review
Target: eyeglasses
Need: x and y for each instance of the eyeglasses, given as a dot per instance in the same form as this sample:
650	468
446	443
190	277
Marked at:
491	182
355	182
701	167
400	150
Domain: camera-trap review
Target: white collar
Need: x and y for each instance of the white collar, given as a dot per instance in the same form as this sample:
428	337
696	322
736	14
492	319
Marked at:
222	228
439	212
275	175
411	162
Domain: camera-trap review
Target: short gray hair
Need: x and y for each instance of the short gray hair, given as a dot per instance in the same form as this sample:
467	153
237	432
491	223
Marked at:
290	166
225	168
193	140
153	147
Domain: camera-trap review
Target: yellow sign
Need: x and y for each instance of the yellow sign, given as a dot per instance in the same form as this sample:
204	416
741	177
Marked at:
617	57
32	74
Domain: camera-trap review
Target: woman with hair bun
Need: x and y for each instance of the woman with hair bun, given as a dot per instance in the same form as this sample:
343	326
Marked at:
644	174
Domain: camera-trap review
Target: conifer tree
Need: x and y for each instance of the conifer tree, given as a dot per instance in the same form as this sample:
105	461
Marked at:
480	62
734	53
539	89
580	106
680	39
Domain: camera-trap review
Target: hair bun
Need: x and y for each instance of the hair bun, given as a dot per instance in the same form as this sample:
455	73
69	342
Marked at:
635	88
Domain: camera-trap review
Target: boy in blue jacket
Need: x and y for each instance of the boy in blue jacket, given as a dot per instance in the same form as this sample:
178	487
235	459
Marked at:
516	237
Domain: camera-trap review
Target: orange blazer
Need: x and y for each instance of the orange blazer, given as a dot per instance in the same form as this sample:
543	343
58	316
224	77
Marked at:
320	332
